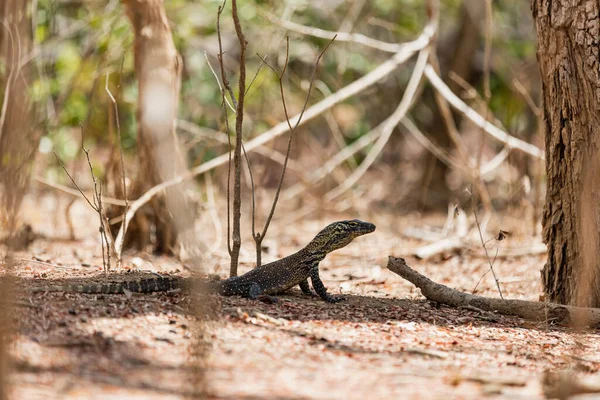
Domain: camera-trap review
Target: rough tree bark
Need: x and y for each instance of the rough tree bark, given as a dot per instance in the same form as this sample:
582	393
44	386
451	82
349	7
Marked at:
158	70
568	39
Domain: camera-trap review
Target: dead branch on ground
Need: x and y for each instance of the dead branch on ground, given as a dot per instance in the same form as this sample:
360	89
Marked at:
529	310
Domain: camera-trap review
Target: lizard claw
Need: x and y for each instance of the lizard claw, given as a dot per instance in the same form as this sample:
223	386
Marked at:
265	298
335	299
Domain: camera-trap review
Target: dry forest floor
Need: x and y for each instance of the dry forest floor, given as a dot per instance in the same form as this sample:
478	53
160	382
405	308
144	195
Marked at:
384	342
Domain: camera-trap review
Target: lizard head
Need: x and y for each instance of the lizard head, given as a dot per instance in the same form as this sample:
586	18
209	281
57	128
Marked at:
339	234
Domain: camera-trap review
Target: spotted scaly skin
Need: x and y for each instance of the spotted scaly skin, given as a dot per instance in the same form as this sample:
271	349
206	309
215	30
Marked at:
268	279
146	285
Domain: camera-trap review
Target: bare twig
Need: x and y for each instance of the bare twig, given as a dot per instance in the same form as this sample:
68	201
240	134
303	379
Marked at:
262	62
220	55
239	119
96	205
258	237
105	235
487	256
78	193
119	145
224	102
222	73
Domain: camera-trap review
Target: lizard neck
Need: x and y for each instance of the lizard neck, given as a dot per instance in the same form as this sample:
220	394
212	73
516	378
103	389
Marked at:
312	255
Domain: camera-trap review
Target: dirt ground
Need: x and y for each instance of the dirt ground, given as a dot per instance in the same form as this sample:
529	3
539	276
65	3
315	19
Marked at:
384	341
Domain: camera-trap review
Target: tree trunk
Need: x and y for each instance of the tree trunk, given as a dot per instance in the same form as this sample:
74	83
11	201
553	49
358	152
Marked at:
18	139
568	35
158	70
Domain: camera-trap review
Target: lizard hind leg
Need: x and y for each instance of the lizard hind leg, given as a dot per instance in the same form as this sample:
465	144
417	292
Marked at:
250	290
253	291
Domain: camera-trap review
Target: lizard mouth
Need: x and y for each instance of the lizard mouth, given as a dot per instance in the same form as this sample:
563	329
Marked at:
365	227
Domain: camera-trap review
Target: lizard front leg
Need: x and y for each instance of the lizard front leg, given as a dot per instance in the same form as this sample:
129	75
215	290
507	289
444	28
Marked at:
305	288
320	288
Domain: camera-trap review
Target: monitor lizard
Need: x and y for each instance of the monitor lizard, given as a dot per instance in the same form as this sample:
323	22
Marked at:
268	279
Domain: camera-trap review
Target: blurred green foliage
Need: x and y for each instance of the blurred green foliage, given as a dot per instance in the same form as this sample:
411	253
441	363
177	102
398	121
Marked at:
81	42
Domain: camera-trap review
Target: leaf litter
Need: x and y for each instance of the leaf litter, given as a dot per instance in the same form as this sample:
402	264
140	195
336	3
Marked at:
384	341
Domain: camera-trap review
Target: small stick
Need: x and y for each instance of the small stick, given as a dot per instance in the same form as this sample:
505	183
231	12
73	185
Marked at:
487	256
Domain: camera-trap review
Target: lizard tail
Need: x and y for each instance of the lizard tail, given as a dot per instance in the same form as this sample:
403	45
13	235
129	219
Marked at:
146	285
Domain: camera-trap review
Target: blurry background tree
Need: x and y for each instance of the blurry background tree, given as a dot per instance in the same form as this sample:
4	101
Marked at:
81	42
18	145
158	71
19	138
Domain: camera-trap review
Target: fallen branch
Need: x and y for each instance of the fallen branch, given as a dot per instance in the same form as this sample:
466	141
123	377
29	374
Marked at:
530	310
